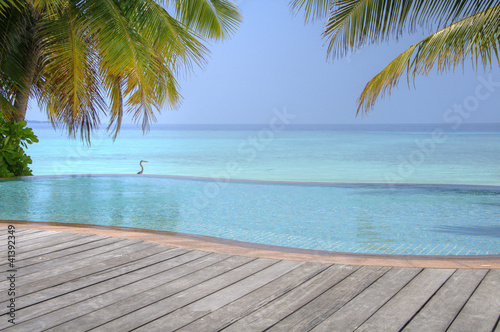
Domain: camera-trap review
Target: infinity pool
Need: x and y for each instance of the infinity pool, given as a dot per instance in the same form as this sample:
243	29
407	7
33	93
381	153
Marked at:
355	218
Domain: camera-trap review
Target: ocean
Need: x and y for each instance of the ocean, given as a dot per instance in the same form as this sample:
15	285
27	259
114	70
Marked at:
430	153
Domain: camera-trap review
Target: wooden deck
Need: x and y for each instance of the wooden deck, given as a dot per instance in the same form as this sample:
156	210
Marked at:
79	282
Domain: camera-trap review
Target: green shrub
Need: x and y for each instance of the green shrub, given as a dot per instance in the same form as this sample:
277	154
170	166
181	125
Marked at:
13	138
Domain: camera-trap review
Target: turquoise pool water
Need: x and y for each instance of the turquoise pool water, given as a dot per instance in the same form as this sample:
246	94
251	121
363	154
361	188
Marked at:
357	218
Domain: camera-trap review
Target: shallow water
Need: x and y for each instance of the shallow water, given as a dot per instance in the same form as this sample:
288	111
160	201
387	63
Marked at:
413	220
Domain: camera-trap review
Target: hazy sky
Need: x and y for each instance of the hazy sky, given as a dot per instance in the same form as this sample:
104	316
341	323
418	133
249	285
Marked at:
275	61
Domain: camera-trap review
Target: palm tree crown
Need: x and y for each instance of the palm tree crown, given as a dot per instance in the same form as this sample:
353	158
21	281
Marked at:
85	59
466	30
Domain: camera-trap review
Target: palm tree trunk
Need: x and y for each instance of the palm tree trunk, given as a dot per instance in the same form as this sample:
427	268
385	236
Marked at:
23	93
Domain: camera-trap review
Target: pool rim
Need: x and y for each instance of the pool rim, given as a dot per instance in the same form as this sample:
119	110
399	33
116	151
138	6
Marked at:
276	182
240	248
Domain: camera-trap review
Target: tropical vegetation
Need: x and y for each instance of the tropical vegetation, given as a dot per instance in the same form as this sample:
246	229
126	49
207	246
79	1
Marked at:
14	138
88	59
462	31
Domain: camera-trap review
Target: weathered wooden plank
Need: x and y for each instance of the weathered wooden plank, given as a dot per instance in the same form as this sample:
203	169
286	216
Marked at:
30	245
4	232
46	245
105	268
32	242
24	258
394	315
482	311
40	236
90	246
444	306
171	303
126	292
54	260
55	298
110	271
358	310
85	267
4	228
277	310
330	301
247	304
31	249
176	285
214	301
40	270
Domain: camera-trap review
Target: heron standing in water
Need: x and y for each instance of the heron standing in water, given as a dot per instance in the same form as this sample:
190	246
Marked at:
142	168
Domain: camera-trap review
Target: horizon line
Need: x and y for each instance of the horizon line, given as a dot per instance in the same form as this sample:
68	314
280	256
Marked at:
294	124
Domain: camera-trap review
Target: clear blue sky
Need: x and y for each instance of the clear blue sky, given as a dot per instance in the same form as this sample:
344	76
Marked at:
275	61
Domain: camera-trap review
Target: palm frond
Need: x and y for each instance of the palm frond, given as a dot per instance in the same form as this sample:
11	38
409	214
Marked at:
170	38
123	52
49	8
7	4
475	37
158	46
352	24
70	87
6	108
115	88
214	19
18	37
313	10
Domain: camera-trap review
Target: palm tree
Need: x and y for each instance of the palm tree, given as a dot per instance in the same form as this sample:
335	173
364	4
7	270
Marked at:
464	30
85	59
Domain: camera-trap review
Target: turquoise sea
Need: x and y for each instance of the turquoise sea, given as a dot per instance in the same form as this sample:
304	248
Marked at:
469	154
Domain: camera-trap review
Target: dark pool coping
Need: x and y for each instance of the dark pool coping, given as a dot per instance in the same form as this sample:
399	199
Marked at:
233	247
280	182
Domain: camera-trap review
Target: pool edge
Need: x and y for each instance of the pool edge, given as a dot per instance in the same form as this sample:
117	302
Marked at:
233	247
276	182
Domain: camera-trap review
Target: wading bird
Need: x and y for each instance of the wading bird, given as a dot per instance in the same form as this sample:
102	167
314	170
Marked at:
142	168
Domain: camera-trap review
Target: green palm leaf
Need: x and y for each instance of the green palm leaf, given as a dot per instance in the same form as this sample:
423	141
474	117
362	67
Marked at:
215	19
16	37
352	24
5	5
70	88
126	55
6	107
475	37
313	10
467	30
